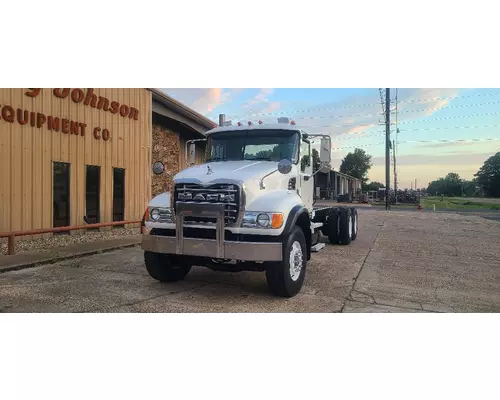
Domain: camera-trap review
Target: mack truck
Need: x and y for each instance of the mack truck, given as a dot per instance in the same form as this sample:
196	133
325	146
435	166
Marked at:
249	207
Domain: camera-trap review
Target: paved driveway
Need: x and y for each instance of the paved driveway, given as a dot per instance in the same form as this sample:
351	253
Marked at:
401	262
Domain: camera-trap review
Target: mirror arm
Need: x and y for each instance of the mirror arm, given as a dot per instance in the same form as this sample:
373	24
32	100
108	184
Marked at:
307	177
261	183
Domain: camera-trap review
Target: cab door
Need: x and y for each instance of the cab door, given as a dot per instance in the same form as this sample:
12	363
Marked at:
306	170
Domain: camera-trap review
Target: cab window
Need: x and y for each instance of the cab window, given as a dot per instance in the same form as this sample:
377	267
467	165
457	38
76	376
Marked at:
305	155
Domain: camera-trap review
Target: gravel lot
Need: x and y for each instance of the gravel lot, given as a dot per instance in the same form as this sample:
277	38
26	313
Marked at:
401	262
61	240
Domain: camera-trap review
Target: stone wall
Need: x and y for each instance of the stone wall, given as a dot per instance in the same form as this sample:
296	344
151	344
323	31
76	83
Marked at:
165	148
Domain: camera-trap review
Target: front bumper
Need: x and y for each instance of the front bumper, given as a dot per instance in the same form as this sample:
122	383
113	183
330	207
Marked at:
218	248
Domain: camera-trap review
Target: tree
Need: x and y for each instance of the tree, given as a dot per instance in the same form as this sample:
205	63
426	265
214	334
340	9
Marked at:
357	164
488	176
316	160
452	185
368	187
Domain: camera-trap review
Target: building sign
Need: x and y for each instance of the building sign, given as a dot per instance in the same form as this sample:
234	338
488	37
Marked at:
64	125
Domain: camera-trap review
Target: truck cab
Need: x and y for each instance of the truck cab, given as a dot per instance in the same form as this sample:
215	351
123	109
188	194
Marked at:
248	207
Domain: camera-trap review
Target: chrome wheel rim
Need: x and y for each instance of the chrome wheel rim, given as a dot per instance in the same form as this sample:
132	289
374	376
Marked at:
350	226
356	224
296	259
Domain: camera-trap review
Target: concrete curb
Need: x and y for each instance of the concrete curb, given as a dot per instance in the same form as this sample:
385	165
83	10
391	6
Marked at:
53	258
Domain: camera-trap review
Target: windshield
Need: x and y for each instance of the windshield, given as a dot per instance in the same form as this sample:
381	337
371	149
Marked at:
266	145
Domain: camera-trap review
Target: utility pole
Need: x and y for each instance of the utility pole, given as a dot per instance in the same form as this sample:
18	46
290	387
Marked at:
415	183
395	173
387	147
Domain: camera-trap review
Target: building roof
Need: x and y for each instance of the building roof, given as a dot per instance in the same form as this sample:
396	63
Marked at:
182	109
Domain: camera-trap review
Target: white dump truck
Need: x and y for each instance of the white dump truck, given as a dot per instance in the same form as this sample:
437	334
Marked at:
249	207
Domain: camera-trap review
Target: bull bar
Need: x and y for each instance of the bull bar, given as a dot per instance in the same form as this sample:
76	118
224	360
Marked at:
210	248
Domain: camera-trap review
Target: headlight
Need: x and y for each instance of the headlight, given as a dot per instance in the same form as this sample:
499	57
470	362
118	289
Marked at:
264	220
161	214
155	214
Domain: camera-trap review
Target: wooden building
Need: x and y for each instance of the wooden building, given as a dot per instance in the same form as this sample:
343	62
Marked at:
71	156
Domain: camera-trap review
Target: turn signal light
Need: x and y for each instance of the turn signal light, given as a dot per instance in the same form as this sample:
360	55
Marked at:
145	218
277	221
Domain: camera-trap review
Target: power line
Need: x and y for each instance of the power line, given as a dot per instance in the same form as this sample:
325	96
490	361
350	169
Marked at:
451	117
357	137
406	111
421	141
378	114
405	122
364	105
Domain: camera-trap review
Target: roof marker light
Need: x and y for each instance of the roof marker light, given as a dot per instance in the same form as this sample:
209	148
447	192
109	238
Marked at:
260	122
249	123
239	124
292	122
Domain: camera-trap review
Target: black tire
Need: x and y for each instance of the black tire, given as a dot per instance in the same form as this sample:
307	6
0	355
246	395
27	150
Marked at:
161	267
280	279
331	227
345	226
354	223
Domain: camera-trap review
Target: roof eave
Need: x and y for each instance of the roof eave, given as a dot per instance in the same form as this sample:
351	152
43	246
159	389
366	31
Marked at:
182	109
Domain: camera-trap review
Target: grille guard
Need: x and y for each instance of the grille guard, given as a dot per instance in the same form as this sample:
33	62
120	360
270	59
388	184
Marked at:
214	249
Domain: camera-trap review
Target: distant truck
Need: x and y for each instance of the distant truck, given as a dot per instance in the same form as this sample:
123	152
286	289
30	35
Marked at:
249	207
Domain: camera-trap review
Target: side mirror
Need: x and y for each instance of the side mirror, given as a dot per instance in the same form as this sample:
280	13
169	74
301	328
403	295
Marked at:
284	166
325	152
192	154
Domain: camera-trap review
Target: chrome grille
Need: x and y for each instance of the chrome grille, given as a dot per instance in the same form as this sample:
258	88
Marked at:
226	194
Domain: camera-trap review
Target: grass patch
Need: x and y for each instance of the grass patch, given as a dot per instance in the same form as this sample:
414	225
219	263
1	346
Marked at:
456	203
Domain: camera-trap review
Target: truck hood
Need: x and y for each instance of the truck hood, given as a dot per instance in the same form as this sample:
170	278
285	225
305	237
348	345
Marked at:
243	171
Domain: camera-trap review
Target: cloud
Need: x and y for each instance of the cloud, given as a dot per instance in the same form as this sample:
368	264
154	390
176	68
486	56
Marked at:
259	103
208	101
363	115
418	103
273	106
203	101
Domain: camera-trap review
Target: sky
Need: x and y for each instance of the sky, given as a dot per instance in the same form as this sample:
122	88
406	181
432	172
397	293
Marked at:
440	130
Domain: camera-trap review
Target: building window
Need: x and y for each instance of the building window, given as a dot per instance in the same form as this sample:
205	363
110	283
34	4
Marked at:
61	195
118	194
92	194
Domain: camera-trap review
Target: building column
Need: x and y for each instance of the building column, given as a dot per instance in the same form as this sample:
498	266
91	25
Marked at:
334	185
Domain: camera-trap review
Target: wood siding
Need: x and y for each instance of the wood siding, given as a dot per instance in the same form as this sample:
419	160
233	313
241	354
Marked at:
27	154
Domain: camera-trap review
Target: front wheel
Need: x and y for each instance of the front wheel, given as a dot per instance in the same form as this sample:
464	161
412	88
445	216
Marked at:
285	279
161	267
